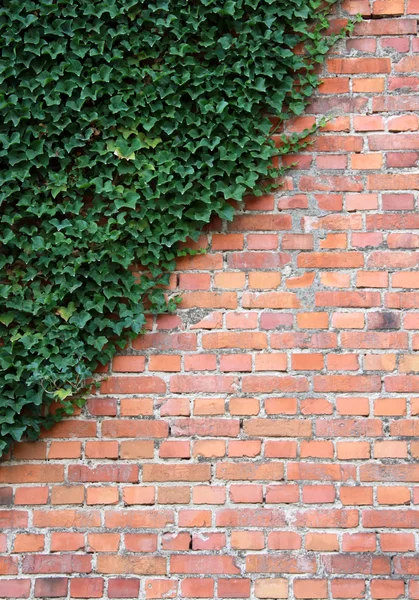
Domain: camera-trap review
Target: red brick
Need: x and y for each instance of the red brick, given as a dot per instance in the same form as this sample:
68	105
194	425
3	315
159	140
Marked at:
359	65
397	542
310	588
28	542
123	588
66	563
87	588
190	564
348	588
132	564
234	588
160	588
197	588
282	494
51	587
128	364
15	588
209	541
318	494
383	588
247	540
322	542
32	495
103	542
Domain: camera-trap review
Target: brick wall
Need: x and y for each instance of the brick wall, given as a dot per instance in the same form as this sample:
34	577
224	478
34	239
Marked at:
262	443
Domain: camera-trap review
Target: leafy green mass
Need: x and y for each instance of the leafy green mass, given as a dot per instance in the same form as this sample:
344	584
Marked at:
125	126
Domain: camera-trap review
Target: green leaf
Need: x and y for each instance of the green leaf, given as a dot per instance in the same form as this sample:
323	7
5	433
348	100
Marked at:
66	312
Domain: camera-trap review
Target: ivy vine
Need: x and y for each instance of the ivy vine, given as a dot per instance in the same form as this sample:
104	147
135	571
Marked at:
125	126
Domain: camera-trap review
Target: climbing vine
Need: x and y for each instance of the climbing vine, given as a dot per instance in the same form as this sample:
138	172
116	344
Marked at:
125	125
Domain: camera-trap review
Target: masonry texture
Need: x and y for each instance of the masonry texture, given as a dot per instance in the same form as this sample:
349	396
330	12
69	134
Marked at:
262	442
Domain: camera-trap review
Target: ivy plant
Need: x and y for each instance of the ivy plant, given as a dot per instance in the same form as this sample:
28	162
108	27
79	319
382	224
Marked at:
125	126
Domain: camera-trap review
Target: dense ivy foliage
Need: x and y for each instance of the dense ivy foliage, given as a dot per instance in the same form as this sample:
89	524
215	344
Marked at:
124	127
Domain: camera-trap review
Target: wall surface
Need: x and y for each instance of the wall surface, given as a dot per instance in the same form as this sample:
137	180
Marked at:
263	442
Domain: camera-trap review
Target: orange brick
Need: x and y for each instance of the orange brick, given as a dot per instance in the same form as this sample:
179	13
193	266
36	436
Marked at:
370	122
244	406
390	449
209	406
334	240
128	364
397	542
403	123
307	362
174	495
316	449
138	494
310	588
209	448
379	362
135	450
103	542
353	450
32	495
164	362
235	362
279	406
384	407
409	363
247	540
230	281
304	281
241	448
175	449
359	542
67	542
348	320
271	362
64	450
271	588
133	407
393	495
248	494
356	496
322	542
208	494
101	449
229	241
335	279
276	449
28	542
388	7
263	281
366	162
71	494
368	85
316	406
374	279
359	65
342	362
241	320
317	320
102	495
353	406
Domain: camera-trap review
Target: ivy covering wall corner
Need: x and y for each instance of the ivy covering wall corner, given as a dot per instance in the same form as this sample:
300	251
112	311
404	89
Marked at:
124	127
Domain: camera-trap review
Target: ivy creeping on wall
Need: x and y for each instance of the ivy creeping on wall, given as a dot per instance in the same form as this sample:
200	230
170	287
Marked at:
124	127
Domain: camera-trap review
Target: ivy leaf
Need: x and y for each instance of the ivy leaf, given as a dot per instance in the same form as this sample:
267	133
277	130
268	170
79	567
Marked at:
66	312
